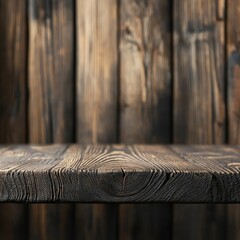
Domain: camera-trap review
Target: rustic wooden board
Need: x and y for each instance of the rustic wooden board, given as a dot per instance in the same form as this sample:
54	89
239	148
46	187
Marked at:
233	80
198	73
199	114
13	71
97	64
145	73
119	173
13	48
145	100
97	94
51	70
233	58
51	88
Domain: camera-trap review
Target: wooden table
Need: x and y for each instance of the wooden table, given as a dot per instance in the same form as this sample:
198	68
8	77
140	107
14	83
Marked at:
120	173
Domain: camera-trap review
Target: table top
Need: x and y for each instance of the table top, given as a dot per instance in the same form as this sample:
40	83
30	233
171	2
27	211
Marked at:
120	173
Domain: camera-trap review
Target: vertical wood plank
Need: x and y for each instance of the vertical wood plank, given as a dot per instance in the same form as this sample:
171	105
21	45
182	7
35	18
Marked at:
51	88
233	60
96	71
145	112
96	221
13	48
51	70
97	68
145	71
199	112
198	72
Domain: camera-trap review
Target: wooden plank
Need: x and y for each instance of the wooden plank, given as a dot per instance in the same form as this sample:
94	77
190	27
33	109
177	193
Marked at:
145	111
119	173
97	70
13	47
51	87
96	221
13	72
199	114
233	58
198	73
51	71
97	61
145	71
233	80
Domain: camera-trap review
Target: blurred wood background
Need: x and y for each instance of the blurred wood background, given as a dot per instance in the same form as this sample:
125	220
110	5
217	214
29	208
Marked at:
119	71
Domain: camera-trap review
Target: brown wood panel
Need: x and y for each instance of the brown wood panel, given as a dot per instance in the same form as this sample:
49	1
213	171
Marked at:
119	173
13	71
233	58
233	80
199	114
97	68
51	75
145	50
145	111
51	70
13	48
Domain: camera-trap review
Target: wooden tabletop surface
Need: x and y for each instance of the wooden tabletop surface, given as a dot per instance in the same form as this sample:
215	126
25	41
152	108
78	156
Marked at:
120	173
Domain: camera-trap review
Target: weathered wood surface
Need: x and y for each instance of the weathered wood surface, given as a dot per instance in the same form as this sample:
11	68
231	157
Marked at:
233	100
199	112
51	71
194	107
198	104
97	71
145	75
13	123
233	58
13	50
96	101
51	100
145	100
118	173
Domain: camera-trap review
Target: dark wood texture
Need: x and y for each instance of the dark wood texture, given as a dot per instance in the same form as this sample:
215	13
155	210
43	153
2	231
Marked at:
124	66
118	173
96	98
97	66
13	61
198	72
145	74
51	75
51	71
199	111
233	57
145	100
233	100
13	71
96	221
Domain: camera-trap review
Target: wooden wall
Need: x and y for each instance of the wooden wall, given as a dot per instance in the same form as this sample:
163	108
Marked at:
110	71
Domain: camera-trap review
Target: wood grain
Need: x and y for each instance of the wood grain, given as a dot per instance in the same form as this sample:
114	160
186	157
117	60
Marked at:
145	100
199	109
51	88
145	53
51	71
233	100
97	71
233	54
13	72
118	173
13	48
198	73
97	94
